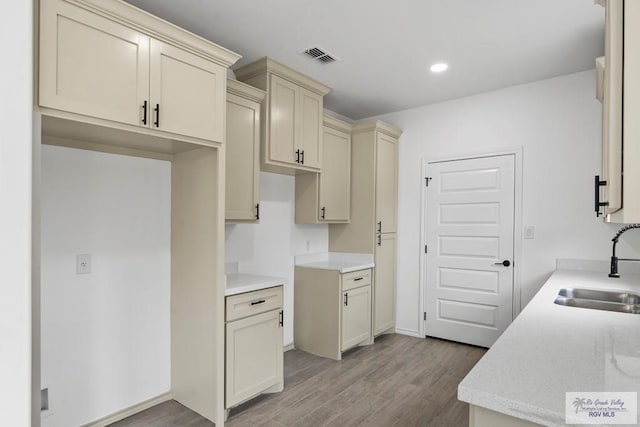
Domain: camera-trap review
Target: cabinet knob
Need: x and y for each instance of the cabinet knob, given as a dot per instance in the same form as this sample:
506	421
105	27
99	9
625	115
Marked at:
297	156
322	212
302	156
379	226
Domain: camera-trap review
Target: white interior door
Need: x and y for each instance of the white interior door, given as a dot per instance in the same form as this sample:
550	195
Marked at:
470	246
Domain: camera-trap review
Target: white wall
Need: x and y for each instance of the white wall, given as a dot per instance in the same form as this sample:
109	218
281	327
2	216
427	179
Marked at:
558	122
268	248
105	335
15	212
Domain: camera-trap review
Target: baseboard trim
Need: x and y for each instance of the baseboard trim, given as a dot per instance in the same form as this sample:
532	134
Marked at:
131	410
408	332
289	347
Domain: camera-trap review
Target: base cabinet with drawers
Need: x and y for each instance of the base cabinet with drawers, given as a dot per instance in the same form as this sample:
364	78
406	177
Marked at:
254	350
332	311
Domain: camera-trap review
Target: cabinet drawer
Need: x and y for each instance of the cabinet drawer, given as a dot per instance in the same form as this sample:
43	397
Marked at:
251	303
355	279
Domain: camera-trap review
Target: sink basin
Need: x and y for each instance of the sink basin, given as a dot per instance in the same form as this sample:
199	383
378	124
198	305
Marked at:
620	301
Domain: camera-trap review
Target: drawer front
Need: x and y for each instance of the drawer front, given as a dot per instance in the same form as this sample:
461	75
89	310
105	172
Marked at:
251	303
355	279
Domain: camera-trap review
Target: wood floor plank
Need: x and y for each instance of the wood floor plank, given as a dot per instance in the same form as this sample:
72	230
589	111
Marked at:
398	381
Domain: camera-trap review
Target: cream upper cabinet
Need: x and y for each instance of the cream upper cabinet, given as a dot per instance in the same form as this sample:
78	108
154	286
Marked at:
385	283
326	197
110	61
187	93
617	194
292	136
91	65
244	105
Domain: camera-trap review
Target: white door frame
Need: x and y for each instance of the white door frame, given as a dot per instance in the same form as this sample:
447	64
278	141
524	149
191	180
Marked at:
517	224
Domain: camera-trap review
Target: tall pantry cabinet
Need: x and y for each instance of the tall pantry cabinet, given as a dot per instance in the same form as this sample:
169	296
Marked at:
374	196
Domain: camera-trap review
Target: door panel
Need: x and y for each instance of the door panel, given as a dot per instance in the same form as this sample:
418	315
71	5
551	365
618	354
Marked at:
243	167
469	223
191	92
335	178
385	283
386	183
356	316
283	96
311	128
92	66
254	356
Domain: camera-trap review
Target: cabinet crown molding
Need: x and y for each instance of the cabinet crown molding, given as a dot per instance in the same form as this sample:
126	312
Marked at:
245	91
268	65
378	126
337	124
144	22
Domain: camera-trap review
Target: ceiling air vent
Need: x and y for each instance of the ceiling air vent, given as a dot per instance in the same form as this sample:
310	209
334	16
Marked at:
320	55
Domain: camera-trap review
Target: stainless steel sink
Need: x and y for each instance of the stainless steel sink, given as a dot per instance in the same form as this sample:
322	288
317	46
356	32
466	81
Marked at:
620	301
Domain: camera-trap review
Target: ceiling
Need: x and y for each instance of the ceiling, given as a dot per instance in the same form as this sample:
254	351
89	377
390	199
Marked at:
386	47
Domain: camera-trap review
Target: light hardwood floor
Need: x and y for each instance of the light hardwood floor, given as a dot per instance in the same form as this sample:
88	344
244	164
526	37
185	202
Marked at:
398	381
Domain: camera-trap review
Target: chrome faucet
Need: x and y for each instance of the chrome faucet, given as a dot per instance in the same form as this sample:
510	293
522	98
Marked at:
614	258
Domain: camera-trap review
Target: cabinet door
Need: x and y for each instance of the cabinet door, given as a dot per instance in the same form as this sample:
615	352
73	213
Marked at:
310	132
384	283
189	91
254	356
612	105
283	106
356	316
90	65
335	178
386	183
242	162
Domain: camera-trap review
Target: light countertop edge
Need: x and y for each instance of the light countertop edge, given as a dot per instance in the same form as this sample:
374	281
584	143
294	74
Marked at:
339	261
239	283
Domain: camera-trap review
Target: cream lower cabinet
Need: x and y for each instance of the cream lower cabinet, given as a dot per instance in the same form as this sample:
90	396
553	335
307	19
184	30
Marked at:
254	350
292	125
332	311
103	60
326	197
242	194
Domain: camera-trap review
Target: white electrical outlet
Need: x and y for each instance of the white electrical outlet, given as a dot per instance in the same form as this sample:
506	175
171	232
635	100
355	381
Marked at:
529	232
83	264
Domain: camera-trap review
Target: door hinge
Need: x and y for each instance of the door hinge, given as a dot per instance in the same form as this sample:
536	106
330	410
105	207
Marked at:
425	249
424	315
426	180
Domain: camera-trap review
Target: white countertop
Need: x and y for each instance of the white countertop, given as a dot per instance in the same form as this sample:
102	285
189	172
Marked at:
551	349
238	283
340	261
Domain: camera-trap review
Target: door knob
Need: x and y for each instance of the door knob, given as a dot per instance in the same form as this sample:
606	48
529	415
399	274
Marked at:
505	263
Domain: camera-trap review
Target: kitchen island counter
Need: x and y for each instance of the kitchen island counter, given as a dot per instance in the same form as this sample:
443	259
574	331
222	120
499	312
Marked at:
551	349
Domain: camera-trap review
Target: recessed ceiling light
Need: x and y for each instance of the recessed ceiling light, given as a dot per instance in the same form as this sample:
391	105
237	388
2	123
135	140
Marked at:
439	67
